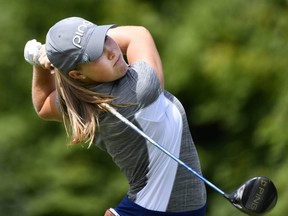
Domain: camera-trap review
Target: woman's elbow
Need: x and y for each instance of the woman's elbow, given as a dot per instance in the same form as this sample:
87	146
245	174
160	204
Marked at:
48	114
43	115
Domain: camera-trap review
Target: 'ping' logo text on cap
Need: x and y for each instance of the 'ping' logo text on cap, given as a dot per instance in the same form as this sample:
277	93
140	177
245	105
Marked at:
80	33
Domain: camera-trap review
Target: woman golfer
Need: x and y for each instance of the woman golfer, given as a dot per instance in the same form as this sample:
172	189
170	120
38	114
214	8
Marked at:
82	66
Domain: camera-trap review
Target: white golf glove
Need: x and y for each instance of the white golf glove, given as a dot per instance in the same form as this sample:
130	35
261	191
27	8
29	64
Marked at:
32	52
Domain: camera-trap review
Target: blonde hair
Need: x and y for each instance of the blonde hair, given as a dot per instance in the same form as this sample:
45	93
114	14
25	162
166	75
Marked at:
80	108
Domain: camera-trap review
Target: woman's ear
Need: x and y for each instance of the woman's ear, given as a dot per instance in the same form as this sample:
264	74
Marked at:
76	75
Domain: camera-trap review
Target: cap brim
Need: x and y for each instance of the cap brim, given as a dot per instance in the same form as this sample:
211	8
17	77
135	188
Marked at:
95	45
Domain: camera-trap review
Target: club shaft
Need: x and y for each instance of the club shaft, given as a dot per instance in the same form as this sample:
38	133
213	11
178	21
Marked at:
140	132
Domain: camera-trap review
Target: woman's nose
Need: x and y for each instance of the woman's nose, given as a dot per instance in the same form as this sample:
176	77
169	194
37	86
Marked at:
110	54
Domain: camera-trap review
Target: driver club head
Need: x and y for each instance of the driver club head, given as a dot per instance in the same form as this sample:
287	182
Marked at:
256	196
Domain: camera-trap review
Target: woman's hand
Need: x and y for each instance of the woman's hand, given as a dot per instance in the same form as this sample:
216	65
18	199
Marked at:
32	52
35	54
43	60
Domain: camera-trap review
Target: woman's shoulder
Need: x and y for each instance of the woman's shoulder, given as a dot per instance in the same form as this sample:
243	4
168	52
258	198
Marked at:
141	66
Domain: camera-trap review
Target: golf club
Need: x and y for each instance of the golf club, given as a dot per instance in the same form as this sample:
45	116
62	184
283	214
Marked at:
256	196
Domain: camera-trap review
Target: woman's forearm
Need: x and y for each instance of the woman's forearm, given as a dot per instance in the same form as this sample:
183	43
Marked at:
43	85
137	44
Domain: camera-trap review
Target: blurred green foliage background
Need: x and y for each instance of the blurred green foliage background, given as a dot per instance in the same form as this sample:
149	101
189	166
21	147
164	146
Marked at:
225	60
